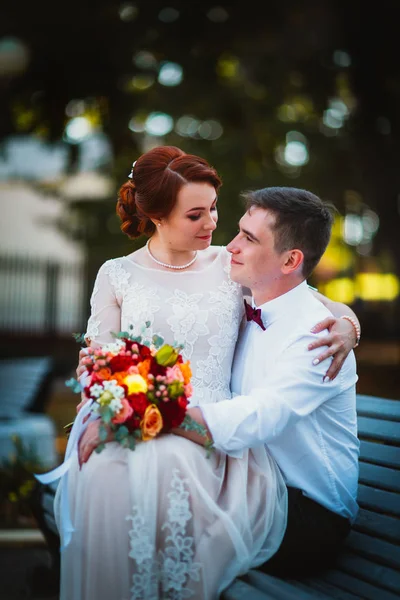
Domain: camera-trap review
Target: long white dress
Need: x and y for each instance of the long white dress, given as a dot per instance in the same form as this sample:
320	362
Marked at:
164	521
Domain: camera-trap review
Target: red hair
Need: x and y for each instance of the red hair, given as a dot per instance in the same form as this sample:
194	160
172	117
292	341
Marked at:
157	178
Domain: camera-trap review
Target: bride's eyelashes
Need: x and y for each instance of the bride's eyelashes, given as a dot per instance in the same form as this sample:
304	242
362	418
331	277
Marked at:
197	217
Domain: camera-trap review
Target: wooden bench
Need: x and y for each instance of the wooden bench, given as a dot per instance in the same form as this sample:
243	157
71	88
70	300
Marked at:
24	392
24	385
369	565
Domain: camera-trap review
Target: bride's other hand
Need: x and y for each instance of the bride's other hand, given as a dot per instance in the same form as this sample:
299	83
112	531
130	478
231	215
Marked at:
340	340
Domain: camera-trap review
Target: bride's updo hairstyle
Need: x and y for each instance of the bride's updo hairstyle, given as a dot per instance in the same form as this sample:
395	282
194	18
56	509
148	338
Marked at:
156	179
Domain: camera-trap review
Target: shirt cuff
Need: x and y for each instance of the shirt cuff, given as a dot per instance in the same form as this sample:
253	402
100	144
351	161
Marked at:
213	421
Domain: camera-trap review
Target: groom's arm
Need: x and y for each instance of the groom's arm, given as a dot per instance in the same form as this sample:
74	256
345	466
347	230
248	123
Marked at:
292	391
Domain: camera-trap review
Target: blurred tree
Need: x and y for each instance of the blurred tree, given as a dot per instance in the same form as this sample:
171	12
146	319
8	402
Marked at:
321	76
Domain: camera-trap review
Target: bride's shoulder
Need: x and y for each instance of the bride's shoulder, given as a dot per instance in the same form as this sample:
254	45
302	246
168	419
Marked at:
113	265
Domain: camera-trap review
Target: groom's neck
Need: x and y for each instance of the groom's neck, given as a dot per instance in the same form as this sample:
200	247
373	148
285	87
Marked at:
274	289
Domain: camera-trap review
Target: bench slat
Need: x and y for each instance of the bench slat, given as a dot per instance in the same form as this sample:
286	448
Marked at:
239	590
280	589
380	454
362	588
369	571
381	526
379	429
380	500
370	406
21	381
374	549
379	476
326	588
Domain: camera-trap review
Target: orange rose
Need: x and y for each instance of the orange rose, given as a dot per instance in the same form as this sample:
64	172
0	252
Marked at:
152	423
186	371
120	377
144	368
104	373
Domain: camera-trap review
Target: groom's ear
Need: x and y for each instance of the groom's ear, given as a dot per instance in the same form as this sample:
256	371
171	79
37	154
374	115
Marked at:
293	261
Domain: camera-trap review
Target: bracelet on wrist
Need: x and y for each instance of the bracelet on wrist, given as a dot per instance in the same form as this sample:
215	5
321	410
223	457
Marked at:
356	327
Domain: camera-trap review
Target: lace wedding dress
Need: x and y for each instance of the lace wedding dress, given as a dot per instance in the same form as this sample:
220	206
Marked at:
164	521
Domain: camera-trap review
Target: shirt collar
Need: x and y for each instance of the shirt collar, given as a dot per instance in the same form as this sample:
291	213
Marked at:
273	309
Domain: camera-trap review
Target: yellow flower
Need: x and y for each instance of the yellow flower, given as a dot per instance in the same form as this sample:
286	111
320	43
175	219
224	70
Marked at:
152	423
105	398
136	384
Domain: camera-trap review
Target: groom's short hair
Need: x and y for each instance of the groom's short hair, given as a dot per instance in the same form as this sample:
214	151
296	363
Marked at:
302	221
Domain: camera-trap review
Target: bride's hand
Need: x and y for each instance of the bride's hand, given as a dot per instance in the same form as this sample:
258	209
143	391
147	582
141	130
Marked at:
90	440
80	369
340	340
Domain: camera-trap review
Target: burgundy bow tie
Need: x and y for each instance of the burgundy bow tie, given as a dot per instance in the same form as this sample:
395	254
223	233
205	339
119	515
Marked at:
254	314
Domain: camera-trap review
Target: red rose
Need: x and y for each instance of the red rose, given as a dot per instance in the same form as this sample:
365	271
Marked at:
128	343
156	369
139	403
172	413
144	351
95	378
120	363
132	423
183	401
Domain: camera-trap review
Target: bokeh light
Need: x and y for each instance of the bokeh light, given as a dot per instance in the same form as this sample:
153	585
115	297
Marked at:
170	74
78	129
128	12
159	124
14	57
168	14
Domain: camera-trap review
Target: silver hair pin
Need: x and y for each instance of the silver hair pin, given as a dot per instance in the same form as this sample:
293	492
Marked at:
131	173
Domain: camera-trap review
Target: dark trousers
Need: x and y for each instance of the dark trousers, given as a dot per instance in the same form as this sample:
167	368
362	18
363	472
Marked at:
313	537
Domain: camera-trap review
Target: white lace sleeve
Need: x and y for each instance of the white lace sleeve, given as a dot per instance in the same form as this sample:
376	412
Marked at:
105	314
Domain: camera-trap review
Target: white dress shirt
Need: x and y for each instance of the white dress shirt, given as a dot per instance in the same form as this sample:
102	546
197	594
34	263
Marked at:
280	401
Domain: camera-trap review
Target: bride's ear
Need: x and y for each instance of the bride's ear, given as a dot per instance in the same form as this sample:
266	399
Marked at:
156	222
293	261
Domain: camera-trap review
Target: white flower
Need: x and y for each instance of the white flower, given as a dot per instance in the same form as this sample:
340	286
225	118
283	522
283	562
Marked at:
96	390
115	405
113	347
112	386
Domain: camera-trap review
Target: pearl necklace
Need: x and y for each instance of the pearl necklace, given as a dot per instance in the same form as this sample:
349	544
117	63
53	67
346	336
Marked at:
162	264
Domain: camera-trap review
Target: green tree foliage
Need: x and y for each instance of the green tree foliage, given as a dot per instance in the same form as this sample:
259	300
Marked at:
260	69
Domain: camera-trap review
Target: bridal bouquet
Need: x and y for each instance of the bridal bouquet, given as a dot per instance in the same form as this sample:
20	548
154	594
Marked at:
137	390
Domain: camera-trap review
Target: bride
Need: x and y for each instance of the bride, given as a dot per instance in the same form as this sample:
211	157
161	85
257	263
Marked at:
165	521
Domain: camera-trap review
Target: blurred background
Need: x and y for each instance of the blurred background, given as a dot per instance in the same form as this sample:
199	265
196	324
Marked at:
302	93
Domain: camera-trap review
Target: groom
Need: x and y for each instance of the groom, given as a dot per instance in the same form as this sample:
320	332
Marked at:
281	396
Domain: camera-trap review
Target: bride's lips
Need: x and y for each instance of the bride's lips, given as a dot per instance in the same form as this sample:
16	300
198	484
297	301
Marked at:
235	262
204	237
